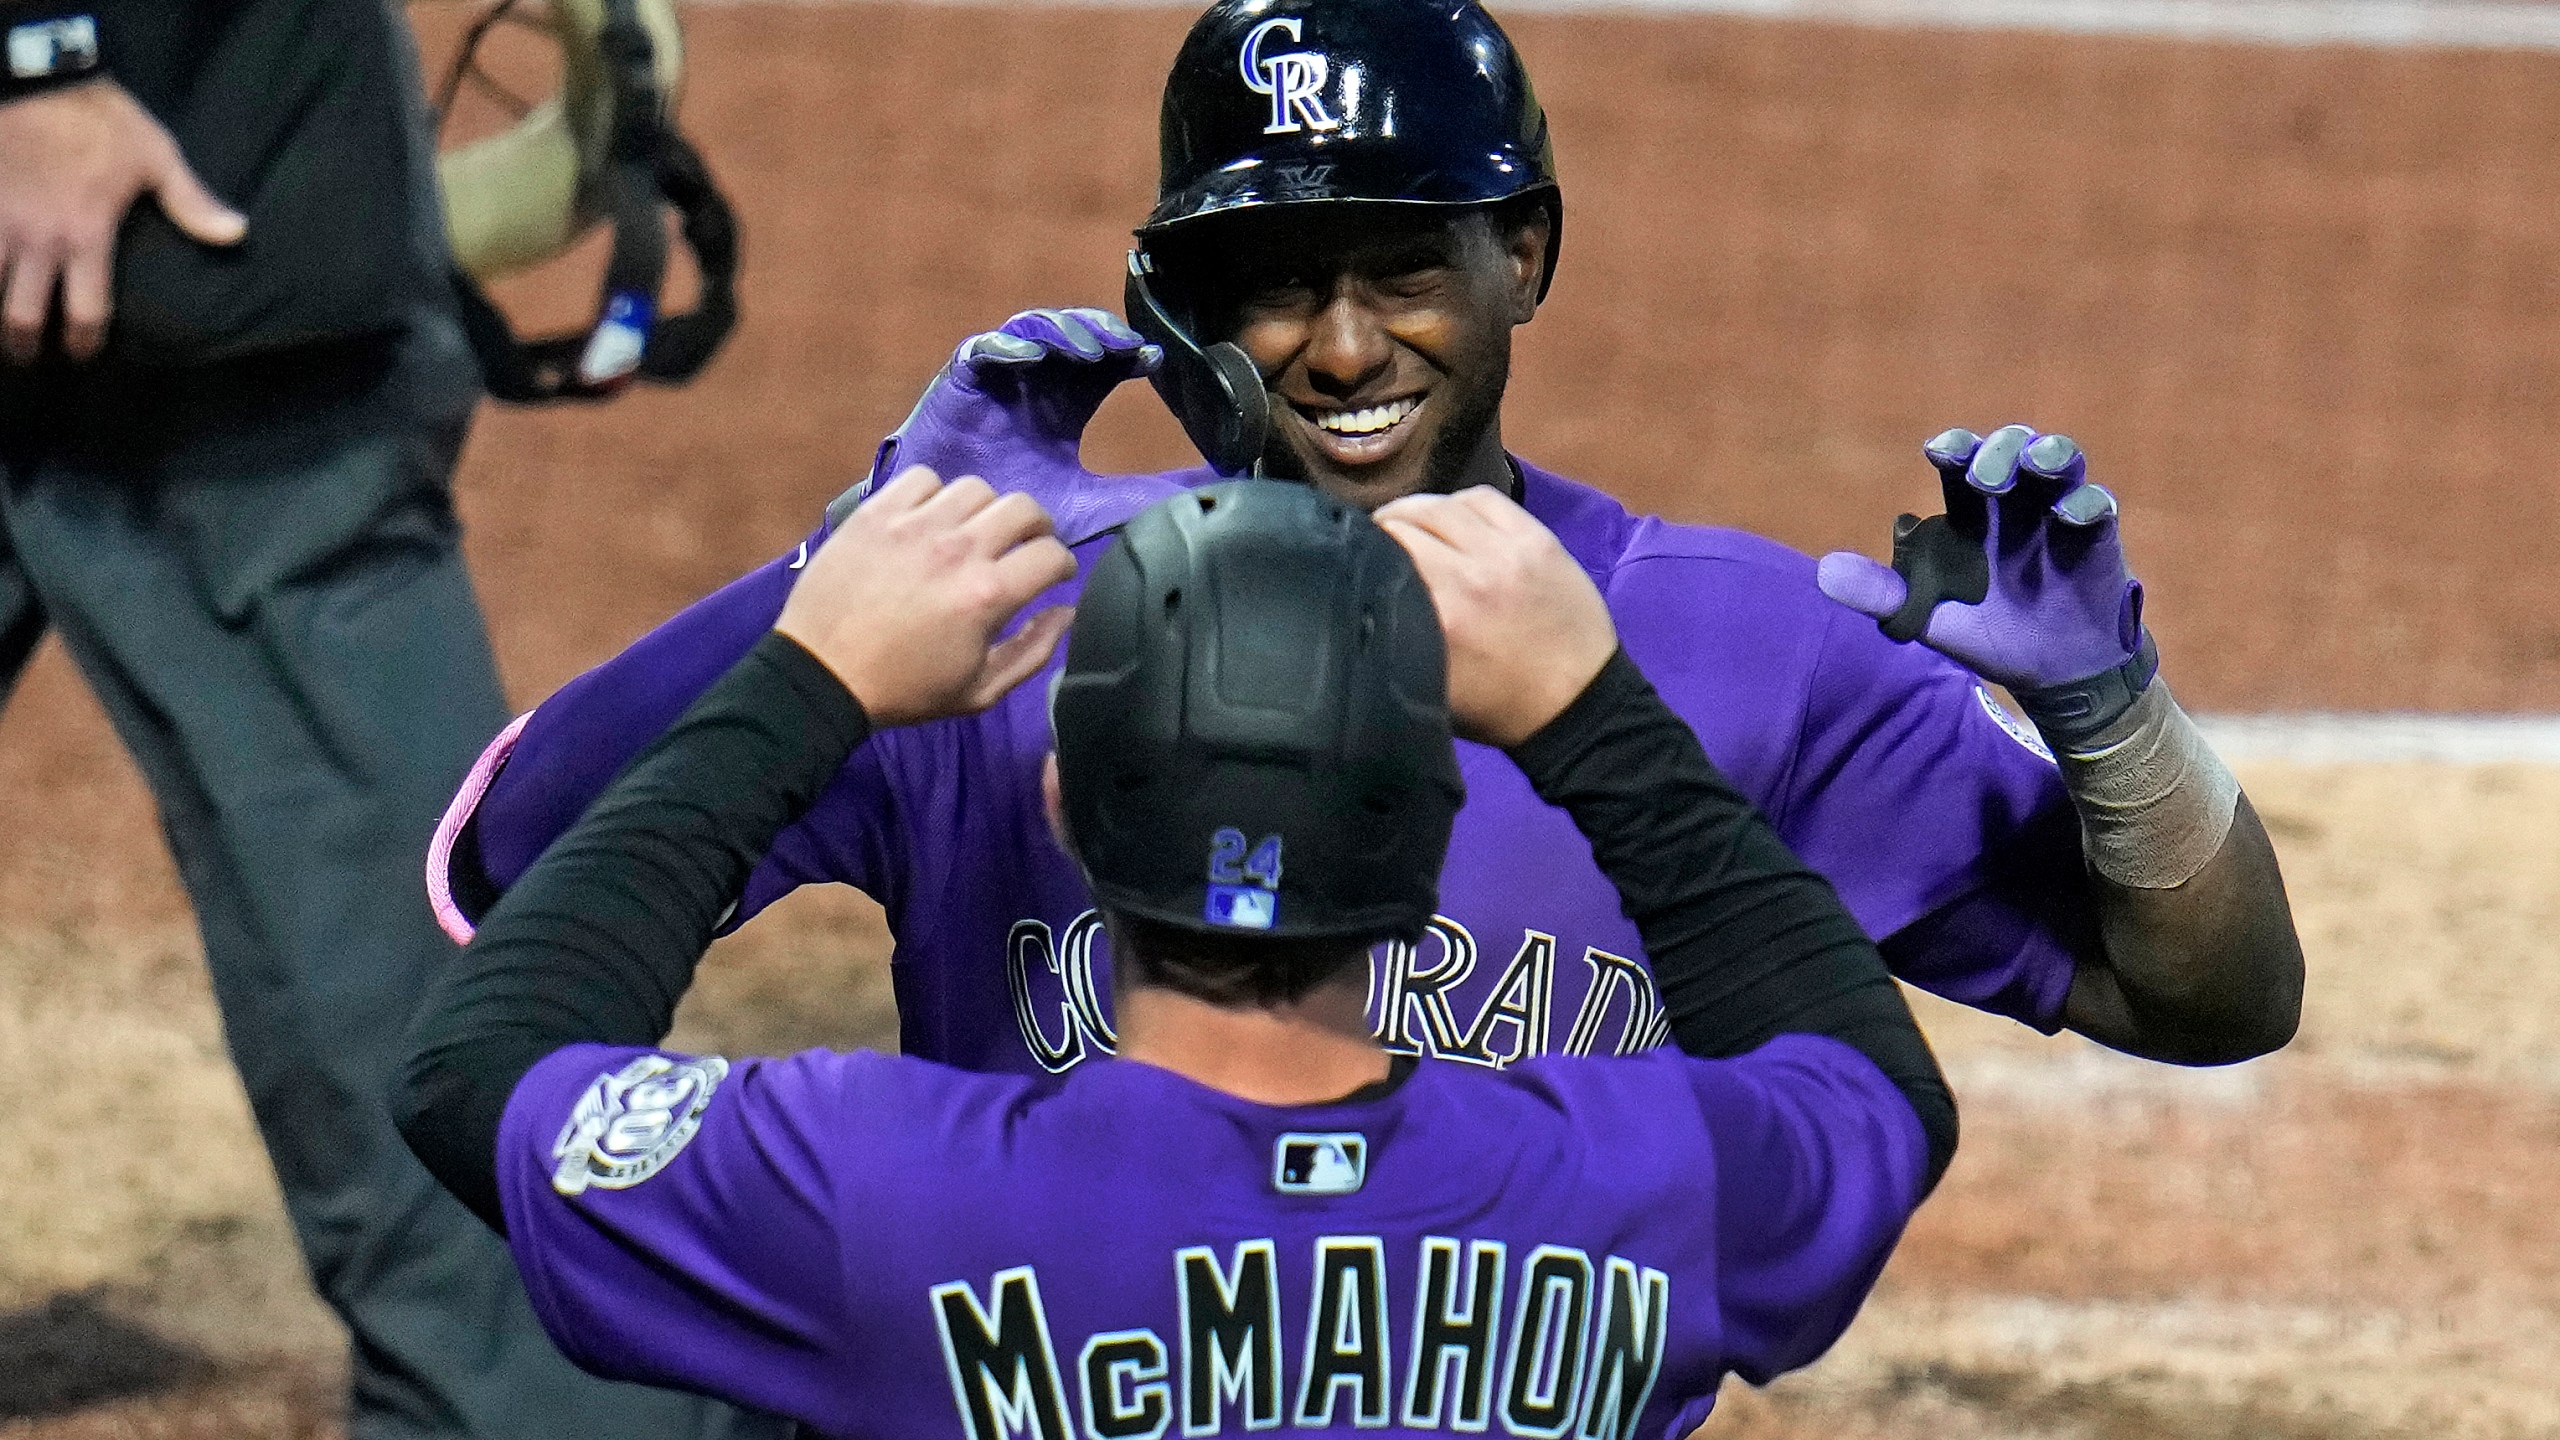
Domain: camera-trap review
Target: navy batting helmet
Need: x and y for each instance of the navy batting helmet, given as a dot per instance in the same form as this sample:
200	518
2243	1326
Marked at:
1297	102
1253	723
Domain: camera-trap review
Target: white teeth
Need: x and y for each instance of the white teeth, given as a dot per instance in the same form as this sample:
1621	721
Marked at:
1369	421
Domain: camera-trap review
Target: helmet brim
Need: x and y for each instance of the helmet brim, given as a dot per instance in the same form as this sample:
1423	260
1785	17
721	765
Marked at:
1255	184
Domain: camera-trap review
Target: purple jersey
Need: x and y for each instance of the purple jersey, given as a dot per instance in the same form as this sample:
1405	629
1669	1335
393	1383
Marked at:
1888	768
885	1246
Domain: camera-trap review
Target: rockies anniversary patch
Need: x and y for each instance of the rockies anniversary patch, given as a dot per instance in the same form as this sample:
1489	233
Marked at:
631	1122
2017	729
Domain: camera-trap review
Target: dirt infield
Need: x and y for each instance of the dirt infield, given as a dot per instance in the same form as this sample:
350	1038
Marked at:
2297	303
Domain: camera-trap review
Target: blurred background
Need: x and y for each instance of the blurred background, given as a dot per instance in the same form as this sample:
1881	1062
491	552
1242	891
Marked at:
2290	270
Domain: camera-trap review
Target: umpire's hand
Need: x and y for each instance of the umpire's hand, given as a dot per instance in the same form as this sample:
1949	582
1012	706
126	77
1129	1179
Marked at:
1527	630
905	600
72	162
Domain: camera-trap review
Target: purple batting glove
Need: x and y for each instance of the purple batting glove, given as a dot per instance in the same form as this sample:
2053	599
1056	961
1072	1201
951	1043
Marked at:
1013	403
2022	581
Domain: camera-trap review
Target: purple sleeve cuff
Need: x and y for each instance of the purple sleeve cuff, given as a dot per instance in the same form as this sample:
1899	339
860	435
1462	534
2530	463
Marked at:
533	1111
2003	949
1820	1163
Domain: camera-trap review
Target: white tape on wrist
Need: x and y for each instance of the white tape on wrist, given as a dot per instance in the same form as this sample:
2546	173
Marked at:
2155	802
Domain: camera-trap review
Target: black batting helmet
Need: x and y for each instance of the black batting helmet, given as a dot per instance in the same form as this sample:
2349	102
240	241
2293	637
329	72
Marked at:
1253	723
1298	102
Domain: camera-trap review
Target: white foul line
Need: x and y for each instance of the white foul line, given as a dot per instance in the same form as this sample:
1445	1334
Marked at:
2435	24
2464	24
2346	738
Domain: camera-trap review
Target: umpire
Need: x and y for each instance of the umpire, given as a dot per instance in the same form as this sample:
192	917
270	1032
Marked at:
1255	1216
226	439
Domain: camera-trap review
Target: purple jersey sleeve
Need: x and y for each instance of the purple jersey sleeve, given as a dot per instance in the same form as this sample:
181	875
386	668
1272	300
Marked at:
1818	1163
1910	776
542	772
675	1223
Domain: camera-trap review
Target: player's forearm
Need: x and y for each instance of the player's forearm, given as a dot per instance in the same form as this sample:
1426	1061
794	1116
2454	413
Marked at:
571	748
2206	973
2201	964
599	940
1745	941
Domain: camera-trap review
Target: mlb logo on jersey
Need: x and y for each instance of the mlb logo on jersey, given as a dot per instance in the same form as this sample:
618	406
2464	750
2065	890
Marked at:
1304	1164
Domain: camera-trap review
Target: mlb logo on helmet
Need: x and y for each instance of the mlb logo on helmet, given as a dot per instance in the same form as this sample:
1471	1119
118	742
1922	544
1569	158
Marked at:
1242	907
1335	1164
1244	887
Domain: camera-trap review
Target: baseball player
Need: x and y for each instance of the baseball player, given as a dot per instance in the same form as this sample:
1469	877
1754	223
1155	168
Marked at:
1339	291
1257	1218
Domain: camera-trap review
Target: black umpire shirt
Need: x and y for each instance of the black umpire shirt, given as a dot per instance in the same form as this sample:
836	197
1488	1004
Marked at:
303	115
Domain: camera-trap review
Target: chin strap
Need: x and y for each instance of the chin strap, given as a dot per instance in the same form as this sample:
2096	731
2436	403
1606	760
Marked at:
647	171
1215	391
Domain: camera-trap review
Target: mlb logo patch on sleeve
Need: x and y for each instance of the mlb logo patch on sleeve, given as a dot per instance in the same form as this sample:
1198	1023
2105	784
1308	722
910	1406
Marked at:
1304	1164
630	1123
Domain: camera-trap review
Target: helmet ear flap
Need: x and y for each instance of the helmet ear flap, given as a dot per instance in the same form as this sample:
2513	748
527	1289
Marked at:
1215	391
1244	422
1553	199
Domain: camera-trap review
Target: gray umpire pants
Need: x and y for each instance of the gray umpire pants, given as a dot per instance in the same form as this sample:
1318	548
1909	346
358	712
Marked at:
258	571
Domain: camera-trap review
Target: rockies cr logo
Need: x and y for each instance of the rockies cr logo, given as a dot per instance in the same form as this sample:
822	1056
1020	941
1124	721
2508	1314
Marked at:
1292	80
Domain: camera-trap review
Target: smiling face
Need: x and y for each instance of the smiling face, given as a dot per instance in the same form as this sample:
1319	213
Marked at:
1384	336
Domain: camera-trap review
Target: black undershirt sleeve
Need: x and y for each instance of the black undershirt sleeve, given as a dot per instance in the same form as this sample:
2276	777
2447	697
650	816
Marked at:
1746	942
598	941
